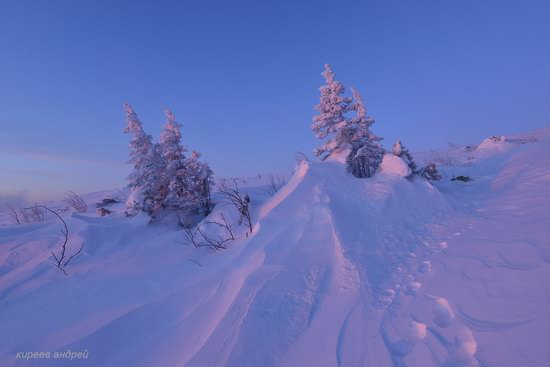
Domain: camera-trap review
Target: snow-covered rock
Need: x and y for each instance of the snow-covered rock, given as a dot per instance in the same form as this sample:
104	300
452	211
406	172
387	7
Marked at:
493	143
394	165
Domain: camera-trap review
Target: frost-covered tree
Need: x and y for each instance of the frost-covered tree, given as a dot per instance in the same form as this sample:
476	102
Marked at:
366	151
174	178
147	166
200	181
397	148
346	132
400	150
331	119
430	172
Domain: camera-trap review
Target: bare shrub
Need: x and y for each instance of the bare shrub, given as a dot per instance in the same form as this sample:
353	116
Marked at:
197	238
13	214
37	214
33	214
25	215
241	201
61	260
223	223
76	202
275	183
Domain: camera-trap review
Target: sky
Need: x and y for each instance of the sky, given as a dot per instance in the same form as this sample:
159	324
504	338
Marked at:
243	77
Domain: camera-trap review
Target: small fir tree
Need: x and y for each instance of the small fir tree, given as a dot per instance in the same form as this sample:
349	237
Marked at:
400	150
200	180
431	173
366	151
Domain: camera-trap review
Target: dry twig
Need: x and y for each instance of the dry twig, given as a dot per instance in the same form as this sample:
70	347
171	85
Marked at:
61	260
239	200
76	202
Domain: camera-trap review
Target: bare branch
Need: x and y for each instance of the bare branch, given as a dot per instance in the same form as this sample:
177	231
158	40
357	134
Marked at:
14	217
59	259
275	183
61	268
73	255
55	257
204	240
239	200
196	262
25	215
224	224
76	202
191	237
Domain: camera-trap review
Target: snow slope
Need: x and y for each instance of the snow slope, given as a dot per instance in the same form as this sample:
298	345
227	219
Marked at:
338	272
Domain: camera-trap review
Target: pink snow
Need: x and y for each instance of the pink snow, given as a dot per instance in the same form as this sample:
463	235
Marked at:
323	280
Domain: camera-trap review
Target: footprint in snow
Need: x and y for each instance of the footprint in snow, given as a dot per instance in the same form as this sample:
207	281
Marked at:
413	288
386	297
462	352
416	333
425	266
444	314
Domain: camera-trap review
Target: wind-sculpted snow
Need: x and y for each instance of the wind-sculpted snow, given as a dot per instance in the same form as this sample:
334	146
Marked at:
339	271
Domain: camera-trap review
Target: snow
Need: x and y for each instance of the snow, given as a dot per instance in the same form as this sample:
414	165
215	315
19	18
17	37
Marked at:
417	331
465	347
340	155
338	271
494	143
444	314
394	165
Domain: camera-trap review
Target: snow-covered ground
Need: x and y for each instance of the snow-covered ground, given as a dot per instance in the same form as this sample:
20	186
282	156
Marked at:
338	271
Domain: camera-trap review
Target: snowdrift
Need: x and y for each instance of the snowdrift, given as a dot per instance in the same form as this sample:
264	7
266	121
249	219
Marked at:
339	271
394	165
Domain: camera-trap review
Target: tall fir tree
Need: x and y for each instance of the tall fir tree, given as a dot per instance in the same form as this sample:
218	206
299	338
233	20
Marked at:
174	178
400	150
331	120
366	151
146	161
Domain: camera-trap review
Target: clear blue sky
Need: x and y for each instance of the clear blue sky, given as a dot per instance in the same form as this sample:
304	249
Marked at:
242	76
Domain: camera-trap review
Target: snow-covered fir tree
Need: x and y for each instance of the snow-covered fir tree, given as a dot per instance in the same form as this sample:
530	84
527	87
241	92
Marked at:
147	165
366	151
397	148
200	180
430	172
400	150
331	120
163	178
188	180
174	178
